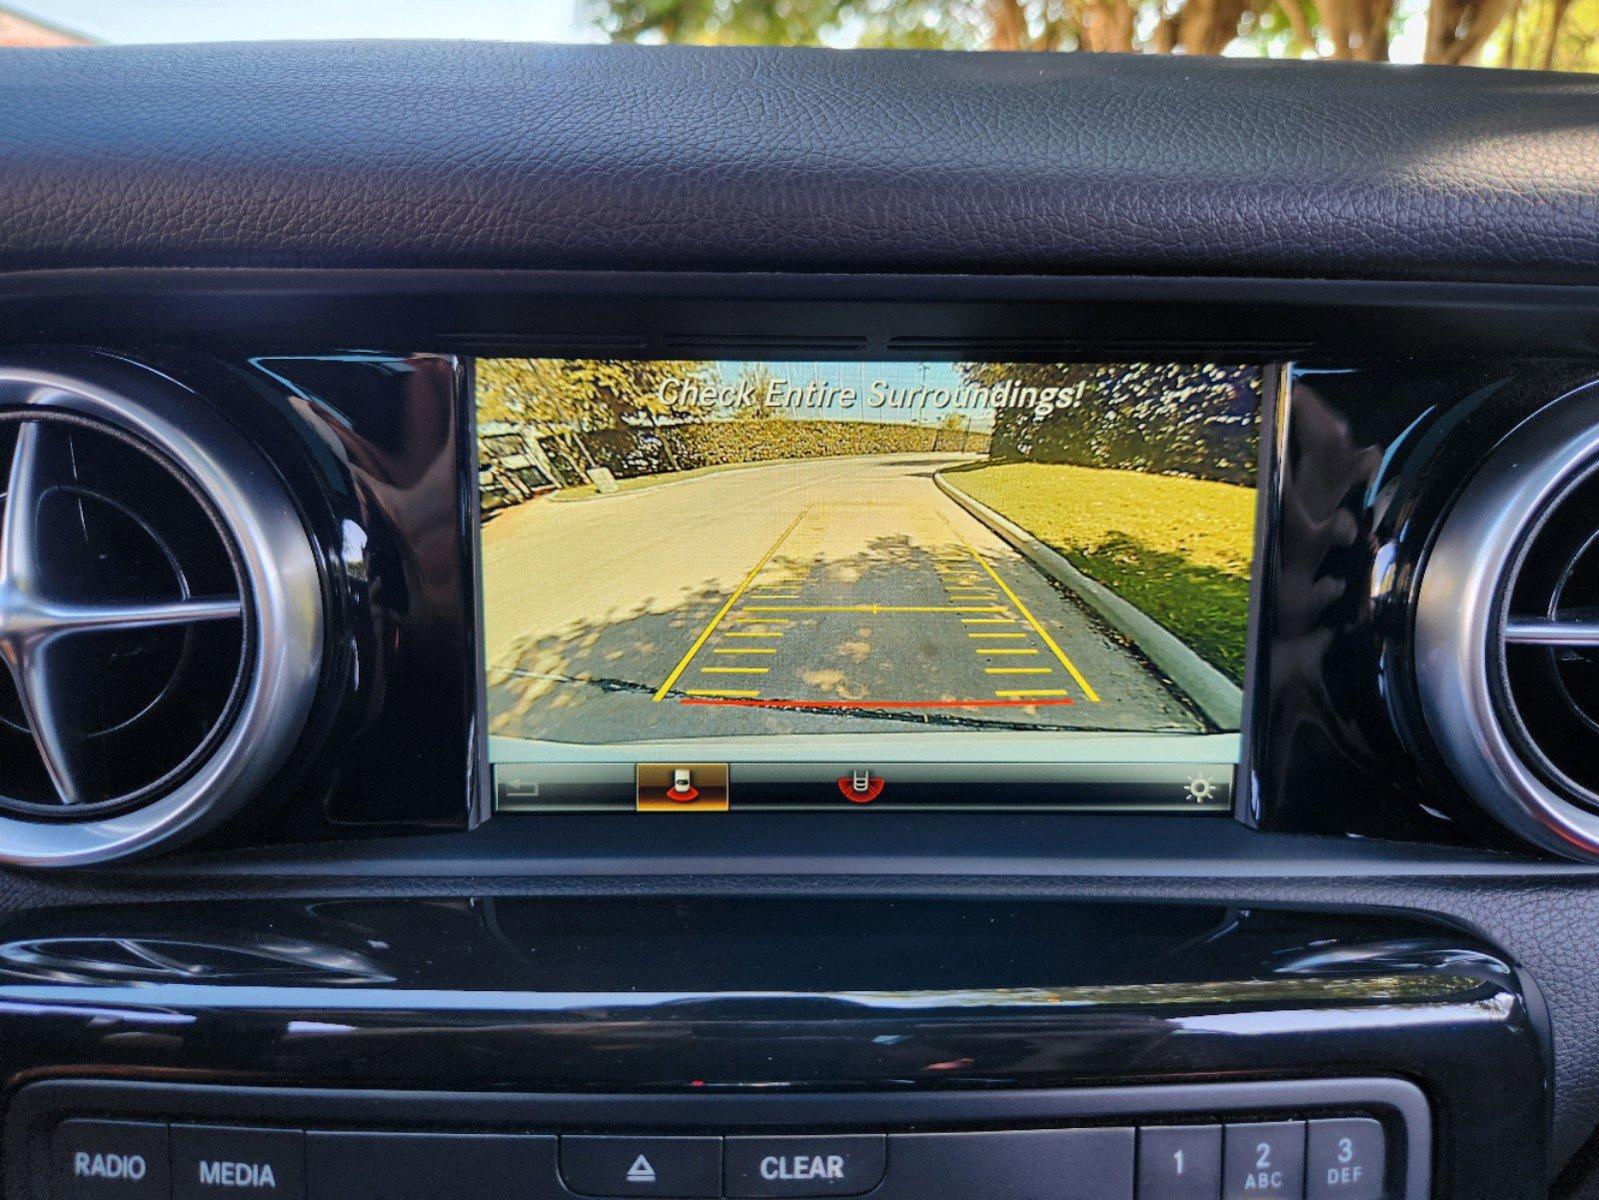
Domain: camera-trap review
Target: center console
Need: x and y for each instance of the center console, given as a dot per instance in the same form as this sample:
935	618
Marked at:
712	1049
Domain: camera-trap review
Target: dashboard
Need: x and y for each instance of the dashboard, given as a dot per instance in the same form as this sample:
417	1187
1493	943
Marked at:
816	641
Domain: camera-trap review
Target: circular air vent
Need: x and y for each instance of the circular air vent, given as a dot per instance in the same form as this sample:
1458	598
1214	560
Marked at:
1507	630
160	614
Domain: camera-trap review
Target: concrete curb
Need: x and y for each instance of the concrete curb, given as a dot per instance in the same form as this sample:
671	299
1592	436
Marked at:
1219	698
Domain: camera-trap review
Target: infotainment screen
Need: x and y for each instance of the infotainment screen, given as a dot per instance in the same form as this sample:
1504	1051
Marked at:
719	585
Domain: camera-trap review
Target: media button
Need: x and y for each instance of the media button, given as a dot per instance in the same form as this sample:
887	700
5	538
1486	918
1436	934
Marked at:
688	1167
110	1160
213	1161
846	1165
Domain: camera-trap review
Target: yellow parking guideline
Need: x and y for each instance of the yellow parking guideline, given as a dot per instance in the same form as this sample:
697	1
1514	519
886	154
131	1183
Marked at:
1016	600
734	670
705	633
1026	692
981	635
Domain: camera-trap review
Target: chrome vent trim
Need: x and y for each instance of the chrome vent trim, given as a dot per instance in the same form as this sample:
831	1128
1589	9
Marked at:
278	602
1464	624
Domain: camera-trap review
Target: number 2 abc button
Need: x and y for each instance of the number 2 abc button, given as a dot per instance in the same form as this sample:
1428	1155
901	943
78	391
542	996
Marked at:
1264	1161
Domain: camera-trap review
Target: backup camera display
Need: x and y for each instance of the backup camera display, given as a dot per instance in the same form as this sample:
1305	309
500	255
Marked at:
963	583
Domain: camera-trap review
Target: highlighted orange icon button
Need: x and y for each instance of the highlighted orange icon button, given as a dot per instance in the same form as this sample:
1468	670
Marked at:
681	787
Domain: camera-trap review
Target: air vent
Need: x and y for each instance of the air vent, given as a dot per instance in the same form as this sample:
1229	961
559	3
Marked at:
160	614
1507	630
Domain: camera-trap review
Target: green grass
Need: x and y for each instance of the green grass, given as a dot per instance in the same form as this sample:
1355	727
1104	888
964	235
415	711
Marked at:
1179	549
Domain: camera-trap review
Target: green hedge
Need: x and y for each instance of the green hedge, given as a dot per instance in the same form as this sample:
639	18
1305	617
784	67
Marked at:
718	443
631	453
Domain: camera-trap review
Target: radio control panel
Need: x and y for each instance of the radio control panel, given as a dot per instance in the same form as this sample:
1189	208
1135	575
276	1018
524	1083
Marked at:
1313	1140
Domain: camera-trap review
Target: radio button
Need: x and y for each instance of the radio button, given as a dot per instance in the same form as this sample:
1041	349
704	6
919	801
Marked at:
846	1165
110	1160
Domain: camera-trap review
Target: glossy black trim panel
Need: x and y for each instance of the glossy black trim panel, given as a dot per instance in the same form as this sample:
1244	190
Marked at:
823	316
699	998
1374	455
385	434
370	446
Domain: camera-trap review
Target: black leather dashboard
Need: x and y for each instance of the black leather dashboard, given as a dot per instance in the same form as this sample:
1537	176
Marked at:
479	155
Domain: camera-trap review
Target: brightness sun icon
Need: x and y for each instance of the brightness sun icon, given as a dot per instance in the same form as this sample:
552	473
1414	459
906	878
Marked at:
1201	788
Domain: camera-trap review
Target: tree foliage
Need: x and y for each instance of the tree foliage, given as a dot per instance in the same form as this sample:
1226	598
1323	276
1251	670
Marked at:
1160	419
578	393
1522	33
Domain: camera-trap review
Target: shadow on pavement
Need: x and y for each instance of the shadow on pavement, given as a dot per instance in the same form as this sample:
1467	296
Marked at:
594	681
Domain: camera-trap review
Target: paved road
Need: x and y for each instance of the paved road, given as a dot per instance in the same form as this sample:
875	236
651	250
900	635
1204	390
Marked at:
795	597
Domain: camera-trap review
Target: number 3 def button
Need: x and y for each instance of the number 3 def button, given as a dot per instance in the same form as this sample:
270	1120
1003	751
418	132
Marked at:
1264	1161
1345	1159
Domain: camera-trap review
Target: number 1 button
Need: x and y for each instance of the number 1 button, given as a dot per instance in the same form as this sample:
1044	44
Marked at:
1265	1161
1179	1162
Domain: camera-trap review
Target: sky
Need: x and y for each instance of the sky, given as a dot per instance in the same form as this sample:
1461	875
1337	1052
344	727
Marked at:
121	21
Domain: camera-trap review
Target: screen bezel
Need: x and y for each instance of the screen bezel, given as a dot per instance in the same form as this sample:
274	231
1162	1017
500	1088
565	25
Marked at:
1271	447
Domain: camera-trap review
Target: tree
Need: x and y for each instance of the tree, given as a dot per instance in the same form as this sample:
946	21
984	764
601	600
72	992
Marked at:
566	398
1353	30
1545	34
1458	30
1522	33
1164	419
578	393
1195	26
755	380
